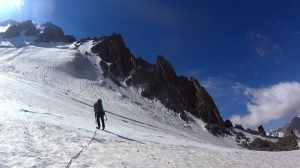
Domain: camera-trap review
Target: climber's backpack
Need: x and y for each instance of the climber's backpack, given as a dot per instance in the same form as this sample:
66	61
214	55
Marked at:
96	107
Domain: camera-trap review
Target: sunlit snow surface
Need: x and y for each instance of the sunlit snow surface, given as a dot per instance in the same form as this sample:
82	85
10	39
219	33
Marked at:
46	117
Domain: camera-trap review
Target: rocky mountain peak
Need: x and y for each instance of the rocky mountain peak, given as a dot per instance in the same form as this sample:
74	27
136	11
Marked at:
112	49
11	32
47	33
295	124
166	68
15	29
177	93
54	33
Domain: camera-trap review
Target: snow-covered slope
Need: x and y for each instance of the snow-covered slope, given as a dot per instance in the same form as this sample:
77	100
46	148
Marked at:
47	92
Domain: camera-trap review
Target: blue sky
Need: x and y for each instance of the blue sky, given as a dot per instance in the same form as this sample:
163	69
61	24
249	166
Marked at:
245	53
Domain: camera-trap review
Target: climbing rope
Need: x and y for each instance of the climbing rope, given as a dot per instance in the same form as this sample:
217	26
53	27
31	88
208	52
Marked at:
76	156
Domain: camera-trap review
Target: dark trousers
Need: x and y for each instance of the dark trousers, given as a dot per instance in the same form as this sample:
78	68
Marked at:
98	120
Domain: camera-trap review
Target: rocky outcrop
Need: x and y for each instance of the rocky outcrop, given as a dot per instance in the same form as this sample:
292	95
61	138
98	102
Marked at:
15	29
28	26
11	32
295	124
250	131
283	144
54	33
239	127
112	50
47	33
228	123
261	130
177	93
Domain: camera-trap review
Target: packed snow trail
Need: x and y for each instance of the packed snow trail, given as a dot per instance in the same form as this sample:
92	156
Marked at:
29	144
78	154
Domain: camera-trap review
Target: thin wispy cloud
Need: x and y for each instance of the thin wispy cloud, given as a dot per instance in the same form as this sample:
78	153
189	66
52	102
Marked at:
256	35
252	66
193	73
261	50
270	103
260	44
225	93
263	46
277	48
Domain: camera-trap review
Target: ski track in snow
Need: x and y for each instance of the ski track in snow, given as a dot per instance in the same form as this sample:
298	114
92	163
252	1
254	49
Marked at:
47	93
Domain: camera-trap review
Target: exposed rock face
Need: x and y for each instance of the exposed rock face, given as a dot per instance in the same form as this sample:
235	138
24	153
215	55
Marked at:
31	30
261	130
228	124
175	92
112	50
54	33
284	144
250	131
239	127
48	33
295	124
15	29
11	32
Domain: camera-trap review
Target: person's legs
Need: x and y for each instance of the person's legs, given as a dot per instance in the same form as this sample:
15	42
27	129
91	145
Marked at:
102	120
98	121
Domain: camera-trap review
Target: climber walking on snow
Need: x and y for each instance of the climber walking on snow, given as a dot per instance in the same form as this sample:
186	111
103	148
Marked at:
99	113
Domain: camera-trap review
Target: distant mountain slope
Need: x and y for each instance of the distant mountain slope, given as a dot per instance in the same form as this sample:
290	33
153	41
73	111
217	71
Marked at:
287	129
47	32
8	23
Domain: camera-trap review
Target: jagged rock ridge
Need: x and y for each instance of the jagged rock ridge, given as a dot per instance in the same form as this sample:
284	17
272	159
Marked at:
175	92
48	32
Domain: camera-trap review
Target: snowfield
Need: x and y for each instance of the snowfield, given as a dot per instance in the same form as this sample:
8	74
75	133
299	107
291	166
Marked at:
47	92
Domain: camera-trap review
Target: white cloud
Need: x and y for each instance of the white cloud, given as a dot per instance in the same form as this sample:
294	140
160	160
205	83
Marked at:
270	103
255	35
